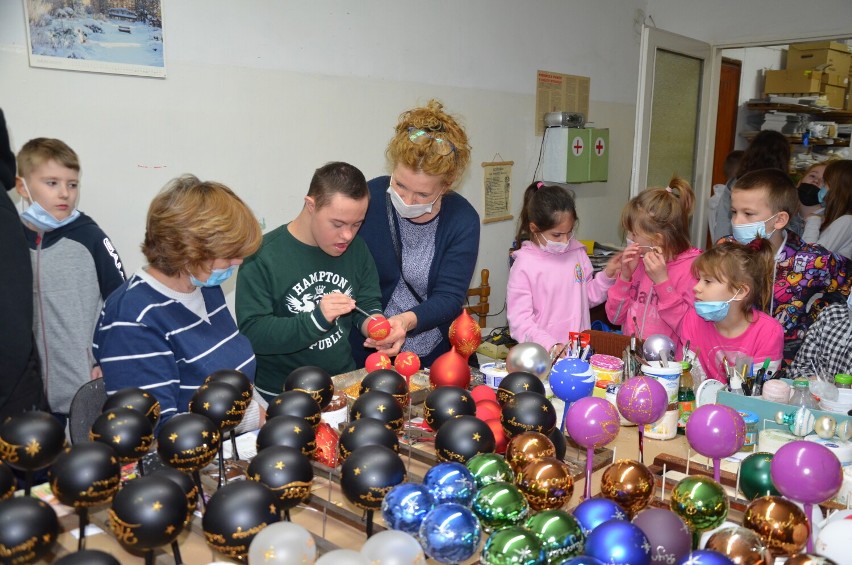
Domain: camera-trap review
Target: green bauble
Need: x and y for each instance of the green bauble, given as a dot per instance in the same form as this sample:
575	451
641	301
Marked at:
499	505
701	502
755	480
559	532
490	468
513	546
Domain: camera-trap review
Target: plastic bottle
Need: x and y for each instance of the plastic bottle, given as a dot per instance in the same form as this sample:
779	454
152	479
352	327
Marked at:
802	395
843	380
685	398
737	385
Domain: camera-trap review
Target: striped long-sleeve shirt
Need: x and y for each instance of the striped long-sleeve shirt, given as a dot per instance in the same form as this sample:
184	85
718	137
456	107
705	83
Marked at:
152	341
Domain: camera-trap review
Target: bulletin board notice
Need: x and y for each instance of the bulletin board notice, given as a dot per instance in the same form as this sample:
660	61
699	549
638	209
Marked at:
497	186
555	92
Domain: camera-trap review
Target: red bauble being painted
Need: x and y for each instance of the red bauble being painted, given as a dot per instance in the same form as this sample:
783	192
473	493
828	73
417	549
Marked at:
465	334
450	369
376	361
378	328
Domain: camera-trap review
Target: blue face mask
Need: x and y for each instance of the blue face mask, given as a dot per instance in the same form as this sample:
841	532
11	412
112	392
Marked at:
715	310
41	219
821	194
216	278
746	233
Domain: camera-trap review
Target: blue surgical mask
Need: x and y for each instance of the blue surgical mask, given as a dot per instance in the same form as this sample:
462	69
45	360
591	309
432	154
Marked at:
409	211
715	310
41	219
821	194
746	233
216	278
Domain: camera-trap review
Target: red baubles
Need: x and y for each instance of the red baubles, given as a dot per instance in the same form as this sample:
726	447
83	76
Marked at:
465	334
450	369
376	361
327	438
406	364
378	327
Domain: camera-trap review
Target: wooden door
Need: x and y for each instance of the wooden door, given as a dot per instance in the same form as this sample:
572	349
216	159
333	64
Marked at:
726	121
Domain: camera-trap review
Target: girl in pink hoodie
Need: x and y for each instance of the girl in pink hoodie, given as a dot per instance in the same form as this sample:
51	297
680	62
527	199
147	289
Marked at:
654	289
551	286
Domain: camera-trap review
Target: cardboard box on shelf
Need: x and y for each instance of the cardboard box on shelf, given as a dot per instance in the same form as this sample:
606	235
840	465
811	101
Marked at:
835	95
817	53
778	82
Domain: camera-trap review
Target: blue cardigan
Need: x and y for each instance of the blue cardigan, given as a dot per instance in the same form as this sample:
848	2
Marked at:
456	250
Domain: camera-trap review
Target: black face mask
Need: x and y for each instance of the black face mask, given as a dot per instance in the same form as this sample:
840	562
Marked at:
808	194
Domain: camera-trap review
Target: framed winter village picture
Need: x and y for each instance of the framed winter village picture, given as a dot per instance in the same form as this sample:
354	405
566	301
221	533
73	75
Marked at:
101	36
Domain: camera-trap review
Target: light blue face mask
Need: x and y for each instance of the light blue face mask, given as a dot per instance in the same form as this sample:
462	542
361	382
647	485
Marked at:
715	310
216	278
746	233
41	219
821	195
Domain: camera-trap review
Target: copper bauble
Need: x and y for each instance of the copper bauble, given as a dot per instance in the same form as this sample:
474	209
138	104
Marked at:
740	545
527	447
781	524
546	483
629	483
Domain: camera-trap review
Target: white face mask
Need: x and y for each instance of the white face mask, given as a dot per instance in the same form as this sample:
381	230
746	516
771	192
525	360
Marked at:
555	247
409	211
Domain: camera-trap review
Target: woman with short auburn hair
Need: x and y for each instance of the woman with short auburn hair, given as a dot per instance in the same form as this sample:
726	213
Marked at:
168	327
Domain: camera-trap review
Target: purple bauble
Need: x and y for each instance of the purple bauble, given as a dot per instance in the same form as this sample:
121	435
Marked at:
806	471
592	422
572	379
642	400
715	431
668	535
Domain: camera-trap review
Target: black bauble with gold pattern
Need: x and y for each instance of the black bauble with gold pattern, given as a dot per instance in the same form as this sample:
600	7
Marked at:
125	430
7	482
88	557
147	513
369	473
235	514
31	441
290	431
187	485
236	379
460	439
85	475
528	412
363	432
519	381
28	529
380	406
220	402
188	442
137	399
389	381
312	380
285	471
296	403
445	403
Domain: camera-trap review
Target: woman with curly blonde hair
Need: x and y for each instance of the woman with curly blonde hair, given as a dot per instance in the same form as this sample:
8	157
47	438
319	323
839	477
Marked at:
423	236
168	327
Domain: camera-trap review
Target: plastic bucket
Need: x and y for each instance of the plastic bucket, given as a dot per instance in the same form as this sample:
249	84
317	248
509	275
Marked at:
669	376
607	368
664	428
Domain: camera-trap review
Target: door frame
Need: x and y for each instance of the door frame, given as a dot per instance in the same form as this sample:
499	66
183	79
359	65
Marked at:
707	120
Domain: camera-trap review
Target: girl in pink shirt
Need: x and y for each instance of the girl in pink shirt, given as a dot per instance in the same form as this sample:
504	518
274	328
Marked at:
734	285
551	283
654	287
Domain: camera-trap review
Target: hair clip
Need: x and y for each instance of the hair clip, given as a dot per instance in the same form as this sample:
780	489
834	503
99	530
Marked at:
669	189
538	185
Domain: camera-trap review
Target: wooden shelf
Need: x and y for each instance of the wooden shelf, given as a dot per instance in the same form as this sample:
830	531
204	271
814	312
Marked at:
797	139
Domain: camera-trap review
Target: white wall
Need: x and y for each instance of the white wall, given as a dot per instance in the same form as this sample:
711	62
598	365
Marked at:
734	22
260	93
754	61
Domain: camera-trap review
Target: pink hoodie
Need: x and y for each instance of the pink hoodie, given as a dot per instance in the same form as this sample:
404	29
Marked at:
550	295
657	308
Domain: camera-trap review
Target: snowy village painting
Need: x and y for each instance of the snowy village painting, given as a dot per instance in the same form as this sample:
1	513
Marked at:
103	36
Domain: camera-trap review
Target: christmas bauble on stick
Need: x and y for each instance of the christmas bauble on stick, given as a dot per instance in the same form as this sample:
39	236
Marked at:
465	334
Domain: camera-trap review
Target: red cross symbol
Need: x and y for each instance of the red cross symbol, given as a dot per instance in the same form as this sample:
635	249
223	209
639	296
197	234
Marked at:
577	146
599	146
